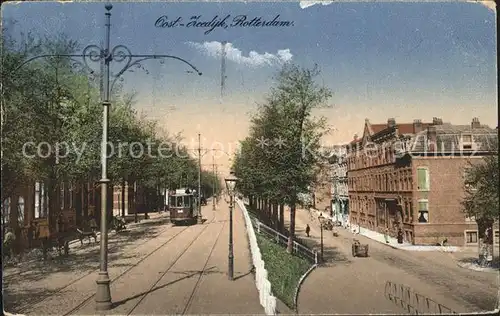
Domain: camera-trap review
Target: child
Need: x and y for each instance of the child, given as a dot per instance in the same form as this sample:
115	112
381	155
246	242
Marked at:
308	230
386	235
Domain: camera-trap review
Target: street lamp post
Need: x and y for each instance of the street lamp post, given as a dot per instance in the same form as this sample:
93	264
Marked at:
321	219
200	220
231	184
106	55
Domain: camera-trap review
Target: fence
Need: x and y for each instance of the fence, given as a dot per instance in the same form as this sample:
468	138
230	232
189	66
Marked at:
267	300
413	302
281	239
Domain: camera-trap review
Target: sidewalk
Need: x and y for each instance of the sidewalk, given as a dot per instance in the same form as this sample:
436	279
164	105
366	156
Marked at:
28	286
352	285
393	242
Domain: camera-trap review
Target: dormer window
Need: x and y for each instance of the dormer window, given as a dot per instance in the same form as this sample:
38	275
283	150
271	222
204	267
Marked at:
466	141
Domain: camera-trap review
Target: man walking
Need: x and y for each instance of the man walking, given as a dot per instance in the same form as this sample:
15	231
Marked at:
308	230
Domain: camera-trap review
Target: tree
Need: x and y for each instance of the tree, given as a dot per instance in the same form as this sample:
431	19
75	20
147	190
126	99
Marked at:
281	159
481	200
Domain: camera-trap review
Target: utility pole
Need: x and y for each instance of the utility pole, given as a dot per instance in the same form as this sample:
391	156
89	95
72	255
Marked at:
222	69
217	185
105	55
199	179
214	184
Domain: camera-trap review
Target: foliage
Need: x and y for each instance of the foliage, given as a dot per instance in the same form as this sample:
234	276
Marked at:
284	270
53	100
481	199
281	157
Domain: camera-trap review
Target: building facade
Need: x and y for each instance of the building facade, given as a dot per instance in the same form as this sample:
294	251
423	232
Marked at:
74	202
410	177
339	188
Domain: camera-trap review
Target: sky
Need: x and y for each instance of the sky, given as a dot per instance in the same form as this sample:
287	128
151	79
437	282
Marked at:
406	60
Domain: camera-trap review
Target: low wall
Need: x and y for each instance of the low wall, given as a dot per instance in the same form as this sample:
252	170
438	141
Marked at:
267	300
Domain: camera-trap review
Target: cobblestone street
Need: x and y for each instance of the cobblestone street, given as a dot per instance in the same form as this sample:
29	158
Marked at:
357	285
155	268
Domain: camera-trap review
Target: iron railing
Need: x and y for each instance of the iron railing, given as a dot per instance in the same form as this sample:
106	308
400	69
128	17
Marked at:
412	301
281	239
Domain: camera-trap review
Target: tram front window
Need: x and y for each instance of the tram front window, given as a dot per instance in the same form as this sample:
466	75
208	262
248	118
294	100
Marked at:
187	201
179	201
172	201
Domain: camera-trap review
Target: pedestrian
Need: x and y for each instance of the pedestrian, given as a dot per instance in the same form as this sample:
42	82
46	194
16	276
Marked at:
400	236
386	235
308	230
8	243
93	224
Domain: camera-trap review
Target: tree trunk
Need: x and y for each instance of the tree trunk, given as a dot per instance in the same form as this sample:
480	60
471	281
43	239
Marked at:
282	218
123	198
275	216
291	236
53	207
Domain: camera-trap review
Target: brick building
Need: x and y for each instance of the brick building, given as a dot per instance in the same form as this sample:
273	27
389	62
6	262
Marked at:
76	202
411	177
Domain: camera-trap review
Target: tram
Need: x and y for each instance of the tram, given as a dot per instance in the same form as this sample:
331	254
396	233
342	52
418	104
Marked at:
182	206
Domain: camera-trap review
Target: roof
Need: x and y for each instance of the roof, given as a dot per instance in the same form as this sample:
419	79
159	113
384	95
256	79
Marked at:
449	138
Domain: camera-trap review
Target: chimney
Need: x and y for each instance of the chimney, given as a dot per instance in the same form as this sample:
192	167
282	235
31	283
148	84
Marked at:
417	126
437	121
475	123
431	138
391	122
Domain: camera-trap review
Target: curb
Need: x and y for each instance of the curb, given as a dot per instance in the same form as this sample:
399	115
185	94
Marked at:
489	270
297	289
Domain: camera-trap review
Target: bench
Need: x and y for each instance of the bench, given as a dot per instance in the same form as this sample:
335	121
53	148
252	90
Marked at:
86	234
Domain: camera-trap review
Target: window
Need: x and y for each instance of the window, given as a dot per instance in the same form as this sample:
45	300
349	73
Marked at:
40	200
471	237
496	237
466	138
6	211
423	179
423	211
467	141
410	211
20	209
172	201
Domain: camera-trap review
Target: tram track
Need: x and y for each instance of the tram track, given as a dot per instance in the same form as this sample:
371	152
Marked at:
193	293
170	266
81	250
59	290
86	300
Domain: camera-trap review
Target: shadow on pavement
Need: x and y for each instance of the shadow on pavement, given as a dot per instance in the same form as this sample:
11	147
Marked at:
25	285
188	275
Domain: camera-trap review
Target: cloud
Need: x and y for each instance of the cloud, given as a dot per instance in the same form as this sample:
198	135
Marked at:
307	4
254	59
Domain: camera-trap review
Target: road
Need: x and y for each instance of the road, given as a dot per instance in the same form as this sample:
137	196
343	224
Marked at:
173	270
357	285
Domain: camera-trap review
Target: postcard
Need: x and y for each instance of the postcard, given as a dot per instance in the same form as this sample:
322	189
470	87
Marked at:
201	157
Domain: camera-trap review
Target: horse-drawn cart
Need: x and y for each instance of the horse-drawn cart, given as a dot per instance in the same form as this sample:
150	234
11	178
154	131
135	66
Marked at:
359	250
